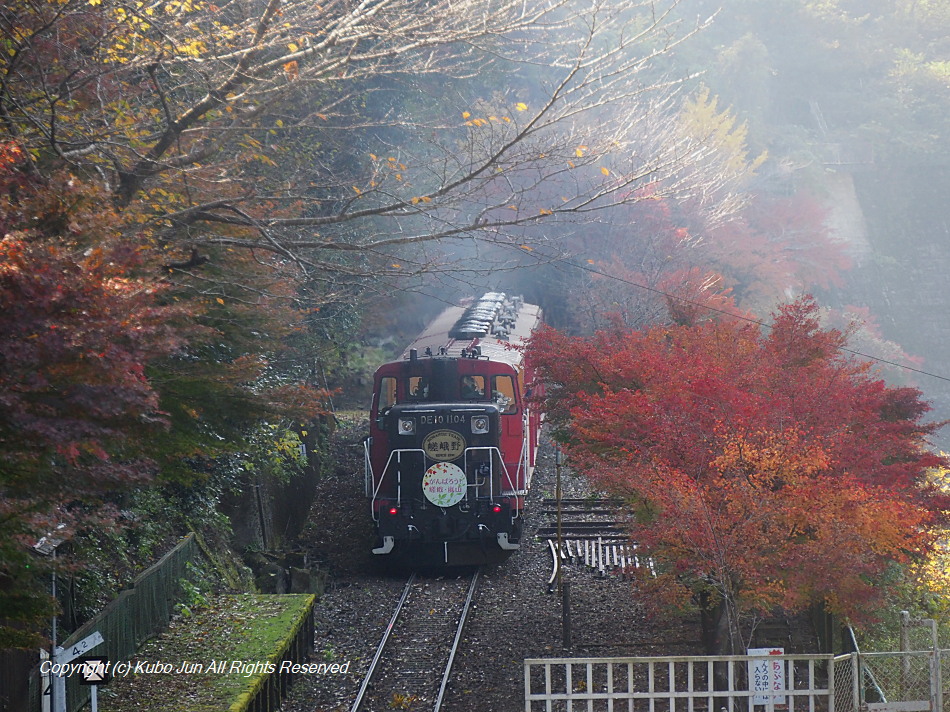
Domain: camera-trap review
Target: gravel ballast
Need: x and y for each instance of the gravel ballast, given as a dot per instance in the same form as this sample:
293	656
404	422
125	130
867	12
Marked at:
515	616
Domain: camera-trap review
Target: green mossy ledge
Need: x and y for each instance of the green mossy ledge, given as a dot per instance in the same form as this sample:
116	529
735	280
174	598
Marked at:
280	640
254	629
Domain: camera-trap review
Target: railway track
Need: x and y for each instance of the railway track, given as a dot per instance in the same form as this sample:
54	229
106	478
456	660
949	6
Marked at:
589	532
413	661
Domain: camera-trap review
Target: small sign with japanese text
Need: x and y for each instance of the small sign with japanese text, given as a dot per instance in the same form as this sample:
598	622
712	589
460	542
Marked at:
767	675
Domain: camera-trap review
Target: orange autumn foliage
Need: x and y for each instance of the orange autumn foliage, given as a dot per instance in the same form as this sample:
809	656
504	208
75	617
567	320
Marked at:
761	466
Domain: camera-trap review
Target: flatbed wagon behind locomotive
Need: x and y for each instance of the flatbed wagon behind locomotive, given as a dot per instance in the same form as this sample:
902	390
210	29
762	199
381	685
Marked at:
453	440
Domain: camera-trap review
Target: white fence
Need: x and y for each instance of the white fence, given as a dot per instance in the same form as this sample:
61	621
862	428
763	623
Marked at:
907	681
797	683
858	682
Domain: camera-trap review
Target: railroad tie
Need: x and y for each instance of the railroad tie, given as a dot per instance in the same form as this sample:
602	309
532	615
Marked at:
604	556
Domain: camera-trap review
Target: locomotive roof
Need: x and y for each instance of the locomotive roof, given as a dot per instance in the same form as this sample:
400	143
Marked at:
494	323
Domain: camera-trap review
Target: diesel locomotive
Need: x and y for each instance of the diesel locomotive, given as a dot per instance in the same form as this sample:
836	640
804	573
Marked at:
453	438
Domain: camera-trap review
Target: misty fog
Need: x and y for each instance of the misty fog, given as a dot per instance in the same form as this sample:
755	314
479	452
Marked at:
843	111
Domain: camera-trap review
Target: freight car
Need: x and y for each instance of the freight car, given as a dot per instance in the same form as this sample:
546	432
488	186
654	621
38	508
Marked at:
453	438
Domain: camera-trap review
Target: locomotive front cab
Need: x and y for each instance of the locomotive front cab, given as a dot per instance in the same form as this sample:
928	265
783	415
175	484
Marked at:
436	469
452	442
465	437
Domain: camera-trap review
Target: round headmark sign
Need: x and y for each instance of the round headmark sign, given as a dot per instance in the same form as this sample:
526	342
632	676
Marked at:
444	484
443	445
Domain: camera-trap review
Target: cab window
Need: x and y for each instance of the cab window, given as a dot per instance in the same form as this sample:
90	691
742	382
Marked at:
387	393
418	388
503	393
472	387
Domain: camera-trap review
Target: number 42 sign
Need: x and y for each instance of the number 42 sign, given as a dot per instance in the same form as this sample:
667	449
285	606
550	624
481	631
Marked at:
80	648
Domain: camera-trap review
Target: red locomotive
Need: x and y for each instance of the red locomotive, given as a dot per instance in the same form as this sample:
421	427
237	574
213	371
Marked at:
453	440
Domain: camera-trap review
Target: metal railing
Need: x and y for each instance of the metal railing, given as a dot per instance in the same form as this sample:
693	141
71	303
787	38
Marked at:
133	616
397	455
903	681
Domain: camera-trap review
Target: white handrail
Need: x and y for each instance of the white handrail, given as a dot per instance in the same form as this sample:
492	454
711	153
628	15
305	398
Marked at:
426	460
382	477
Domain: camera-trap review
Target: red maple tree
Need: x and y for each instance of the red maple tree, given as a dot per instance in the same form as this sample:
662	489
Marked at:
763	467
78	325
111	372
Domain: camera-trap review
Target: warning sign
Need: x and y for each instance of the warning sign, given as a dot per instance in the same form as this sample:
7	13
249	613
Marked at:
767	675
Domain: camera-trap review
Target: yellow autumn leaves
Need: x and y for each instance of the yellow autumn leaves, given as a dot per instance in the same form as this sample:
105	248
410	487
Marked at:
469	121
484	122
933	573
134	37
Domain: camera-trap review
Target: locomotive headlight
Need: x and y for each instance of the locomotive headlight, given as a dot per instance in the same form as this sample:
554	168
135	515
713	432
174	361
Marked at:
480	424
407	426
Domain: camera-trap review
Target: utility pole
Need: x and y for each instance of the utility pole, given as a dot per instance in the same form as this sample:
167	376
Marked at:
563	587
57	689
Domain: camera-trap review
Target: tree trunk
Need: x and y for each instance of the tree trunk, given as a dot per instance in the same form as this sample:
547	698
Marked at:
714	619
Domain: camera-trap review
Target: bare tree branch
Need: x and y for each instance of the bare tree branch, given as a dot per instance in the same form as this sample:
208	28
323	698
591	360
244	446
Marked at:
194	114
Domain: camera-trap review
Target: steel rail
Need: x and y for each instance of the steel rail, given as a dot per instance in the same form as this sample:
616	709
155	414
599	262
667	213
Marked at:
455	643
382	644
